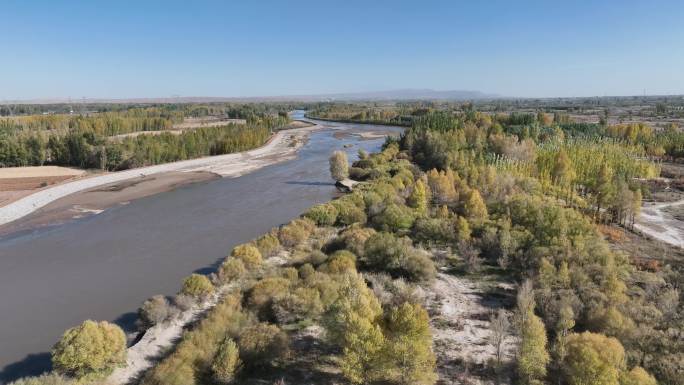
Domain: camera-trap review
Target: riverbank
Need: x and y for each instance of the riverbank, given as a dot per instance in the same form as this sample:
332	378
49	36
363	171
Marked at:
104	266
351	121
658	221
282	146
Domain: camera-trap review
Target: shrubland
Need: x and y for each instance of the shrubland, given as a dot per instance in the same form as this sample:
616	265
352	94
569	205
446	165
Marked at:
446	199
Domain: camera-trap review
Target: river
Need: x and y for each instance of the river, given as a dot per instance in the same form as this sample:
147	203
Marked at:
102	267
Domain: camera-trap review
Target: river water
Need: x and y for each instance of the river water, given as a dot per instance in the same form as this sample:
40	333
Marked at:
103	267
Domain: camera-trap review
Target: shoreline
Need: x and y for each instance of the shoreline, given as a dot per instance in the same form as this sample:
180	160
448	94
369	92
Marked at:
64	200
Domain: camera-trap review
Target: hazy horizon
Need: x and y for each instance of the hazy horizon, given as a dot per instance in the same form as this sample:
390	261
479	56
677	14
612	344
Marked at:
125	49
339	96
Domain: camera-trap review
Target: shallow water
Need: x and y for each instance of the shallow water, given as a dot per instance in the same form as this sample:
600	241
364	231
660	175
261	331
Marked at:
103	267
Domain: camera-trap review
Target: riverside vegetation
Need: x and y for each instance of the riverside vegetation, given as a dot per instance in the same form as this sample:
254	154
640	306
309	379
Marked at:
338	295
88	140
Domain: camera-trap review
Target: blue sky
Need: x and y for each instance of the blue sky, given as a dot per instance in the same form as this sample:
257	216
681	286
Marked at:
116	49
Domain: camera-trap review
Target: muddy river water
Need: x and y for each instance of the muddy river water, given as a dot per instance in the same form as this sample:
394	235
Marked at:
102	267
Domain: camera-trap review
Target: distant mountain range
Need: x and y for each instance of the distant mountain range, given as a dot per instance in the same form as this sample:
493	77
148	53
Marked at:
400	94
410	94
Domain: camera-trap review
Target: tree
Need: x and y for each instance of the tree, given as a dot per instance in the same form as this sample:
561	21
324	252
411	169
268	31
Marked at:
462	228
364	341
409	345
563	173
442	186
419	197
498	329
197	285
603	187
226	362
593	359
91	350
339	165
354	296
533	357
566	321
524	301
475	208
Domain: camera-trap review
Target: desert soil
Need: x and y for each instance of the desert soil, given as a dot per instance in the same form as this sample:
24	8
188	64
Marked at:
460	311
18	182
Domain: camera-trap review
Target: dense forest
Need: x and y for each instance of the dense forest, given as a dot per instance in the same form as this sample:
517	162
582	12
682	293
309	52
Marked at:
89	140
340	294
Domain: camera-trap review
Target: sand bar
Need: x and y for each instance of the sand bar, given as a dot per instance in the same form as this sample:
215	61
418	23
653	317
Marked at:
282	146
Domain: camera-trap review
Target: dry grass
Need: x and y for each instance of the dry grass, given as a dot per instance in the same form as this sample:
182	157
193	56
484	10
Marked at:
612	233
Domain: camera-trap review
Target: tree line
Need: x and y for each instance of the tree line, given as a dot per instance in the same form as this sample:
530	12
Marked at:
84	141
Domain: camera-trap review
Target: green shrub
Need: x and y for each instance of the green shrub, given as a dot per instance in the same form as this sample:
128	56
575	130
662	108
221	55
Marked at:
592	358
155	310
358	173
385	252
433	230
339	165
231	269
340	262
291	274
303	303
91	350
263	292
354	238
261	344
296	232
249	255
348	212
638	376
268	244
226	363
197	286
306	271
317	258
418	266
192	358
323	214
44	379
394	218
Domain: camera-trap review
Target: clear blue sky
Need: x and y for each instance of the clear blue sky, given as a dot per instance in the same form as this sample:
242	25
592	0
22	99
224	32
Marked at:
253	48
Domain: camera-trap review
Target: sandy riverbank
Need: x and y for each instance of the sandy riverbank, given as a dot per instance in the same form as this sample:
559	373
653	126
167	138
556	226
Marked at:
83	192
657	221
96	200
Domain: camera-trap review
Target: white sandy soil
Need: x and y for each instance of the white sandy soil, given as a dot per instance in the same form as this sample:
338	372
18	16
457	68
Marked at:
659	224
460	315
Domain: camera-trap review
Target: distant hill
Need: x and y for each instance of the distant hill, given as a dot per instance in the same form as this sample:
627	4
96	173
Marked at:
412	94
400	94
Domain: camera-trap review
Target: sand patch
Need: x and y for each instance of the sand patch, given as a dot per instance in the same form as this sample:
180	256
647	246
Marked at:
38	171
459	316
